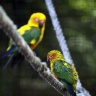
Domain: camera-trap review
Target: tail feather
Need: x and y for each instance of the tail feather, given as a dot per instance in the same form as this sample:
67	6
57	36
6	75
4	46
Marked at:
8	52
14	60
70	90
17	60
9	60
68	86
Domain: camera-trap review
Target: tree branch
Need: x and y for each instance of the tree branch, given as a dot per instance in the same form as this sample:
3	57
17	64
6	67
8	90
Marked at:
41	67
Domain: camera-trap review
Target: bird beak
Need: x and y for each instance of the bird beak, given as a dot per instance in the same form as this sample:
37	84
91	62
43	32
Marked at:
48	62
41	23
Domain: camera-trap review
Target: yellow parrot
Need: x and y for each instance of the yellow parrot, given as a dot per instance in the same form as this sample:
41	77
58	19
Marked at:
32	33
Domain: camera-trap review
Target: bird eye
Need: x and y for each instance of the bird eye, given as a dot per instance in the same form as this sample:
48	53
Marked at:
36	19
50	56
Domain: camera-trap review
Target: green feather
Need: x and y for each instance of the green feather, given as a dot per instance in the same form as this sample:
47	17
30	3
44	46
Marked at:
63	71
29	35
33	33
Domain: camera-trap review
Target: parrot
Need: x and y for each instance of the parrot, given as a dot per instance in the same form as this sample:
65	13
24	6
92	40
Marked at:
63	71
32	32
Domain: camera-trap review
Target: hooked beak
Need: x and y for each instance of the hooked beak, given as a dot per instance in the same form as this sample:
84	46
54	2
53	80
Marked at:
48	62
41	23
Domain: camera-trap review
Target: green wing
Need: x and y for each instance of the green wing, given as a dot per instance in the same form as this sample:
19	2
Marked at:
63	71
29	35
33	33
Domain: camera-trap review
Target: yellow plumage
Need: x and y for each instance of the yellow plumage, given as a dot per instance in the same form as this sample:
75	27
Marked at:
33	21
32	33
22	29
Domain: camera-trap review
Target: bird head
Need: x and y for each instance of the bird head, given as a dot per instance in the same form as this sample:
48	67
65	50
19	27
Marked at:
54	55
37	20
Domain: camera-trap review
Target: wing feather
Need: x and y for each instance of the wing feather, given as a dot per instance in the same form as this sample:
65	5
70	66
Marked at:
63	70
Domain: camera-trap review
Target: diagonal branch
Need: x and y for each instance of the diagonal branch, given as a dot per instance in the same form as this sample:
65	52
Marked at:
41	67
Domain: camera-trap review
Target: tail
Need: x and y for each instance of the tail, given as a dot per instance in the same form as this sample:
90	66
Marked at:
68	87
5	66
14	60
17	60
8	52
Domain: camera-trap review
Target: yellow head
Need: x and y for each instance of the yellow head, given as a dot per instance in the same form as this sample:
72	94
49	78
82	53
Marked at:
37	20
54	55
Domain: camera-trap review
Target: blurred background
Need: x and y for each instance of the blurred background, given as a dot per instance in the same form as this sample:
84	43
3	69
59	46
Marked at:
78	21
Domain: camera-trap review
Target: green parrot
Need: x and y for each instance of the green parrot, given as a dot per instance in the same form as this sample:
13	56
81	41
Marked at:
63	71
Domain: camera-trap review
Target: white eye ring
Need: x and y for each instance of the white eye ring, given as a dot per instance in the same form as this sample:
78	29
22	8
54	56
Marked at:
36	19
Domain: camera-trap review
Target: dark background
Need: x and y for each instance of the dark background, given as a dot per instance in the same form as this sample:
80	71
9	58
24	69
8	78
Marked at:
78	21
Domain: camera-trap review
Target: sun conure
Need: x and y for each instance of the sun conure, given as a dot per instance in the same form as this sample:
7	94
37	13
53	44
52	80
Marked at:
32	33
63	71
